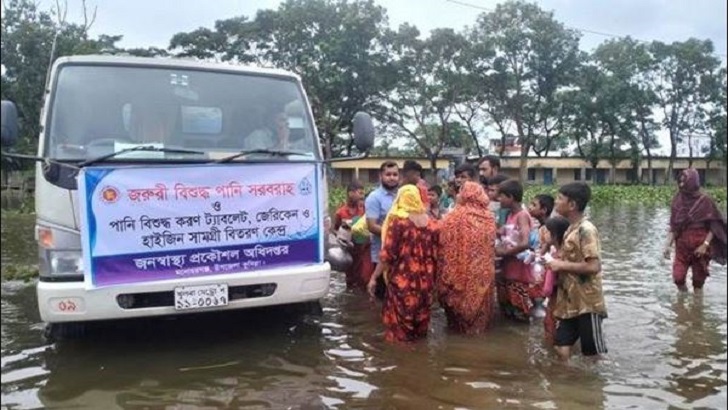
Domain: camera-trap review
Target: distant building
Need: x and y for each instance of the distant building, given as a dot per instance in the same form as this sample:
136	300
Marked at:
510	148
547	170
366	170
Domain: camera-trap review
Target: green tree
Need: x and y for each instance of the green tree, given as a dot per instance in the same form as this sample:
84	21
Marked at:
333	45
586	111
422	102
682	78
25	49
626	64
429	134
535	58
718	119
472	117
31	39
471	104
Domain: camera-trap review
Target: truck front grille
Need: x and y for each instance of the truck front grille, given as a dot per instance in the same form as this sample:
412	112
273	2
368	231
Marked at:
166	299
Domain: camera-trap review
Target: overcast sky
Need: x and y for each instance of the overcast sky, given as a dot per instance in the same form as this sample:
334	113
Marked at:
146	23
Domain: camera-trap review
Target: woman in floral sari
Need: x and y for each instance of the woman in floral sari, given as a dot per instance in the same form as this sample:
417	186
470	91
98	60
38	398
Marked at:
466	276
408	262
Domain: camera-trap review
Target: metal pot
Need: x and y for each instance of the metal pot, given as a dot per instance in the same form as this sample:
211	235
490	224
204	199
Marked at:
339	258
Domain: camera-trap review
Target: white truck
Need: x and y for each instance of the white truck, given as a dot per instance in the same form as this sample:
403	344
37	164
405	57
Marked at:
170	186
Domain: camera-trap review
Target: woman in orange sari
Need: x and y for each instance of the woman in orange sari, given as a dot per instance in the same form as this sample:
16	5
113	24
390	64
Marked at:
466	276
408	261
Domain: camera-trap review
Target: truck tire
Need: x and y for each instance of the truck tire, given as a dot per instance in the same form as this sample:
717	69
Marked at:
68	330
311	308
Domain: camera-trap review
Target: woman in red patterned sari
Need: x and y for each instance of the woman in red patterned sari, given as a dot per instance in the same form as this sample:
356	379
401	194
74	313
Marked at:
698	229
408	262
466	275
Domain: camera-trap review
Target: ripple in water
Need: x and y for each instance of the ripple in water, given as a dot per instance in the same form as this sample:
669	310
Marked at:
665	351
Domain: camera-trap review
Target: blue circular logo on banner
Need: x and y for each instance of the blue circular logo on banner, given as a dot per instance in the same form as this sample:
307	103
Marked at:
305	187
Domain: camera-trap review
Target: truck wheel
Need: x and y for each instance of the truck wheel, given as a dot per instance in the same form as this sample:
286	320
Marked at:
312	308
59	331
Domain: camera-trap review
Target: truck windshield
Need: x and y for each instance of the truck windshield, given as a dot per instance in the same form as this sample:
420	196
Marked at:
97	110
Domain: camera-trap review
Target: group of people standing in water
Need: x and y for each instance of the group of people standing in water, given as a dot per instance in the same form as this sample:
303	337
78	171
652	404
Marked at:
478	251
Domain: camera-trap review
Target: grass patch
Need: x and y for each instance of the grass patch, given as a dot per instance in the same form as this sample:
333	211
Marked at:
630	194
26	273
12	203
601	194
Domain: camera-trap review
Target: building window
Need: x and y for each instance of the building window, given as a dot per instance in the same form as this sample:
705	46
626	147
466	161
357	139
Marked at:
632	175
588	176
577	175
347	175
601	176
373	176
531	174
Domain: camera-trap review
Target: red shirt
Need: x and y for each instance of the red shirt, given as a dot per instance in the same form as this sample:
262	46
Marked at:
346	214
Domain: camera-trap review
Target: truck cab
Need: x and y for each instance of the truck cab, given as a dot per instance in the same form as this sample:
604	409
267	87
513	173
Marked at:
132	148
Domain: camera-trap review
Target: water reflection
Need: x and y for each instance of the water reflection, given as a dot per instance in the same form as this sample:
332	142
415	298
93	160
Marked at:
226	360
666	351
697	345
18	244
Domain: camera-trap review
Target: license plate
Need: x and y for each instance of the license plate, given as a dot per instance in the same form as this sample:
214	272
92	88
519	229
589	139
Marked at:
200	297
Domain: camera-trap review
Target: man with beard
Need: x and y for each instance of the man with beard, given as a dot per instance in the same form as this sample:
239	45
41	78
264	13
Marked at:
489	166
377	206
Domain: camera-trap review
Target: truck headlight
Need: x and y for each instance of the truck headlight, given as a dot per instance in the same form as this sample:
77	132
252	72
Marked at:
66	262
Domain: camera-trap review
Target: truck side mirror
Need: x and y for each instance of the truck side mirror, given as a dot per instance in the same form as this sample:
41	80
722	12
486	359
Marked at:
9	118
363	128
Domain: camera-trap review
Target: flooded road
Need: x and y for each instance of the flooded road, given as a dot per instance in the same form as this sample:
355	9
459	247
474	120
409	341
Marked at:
19	246
666	351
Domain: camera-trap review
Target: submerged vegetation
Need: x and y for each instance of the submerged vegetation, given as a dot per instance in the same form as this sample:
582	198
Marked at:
25	273
631	194
14	204
601	194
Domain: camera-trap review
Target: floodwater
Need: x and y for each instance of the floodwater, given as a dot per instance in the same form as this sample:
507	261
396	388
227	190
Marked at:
666	351
18	243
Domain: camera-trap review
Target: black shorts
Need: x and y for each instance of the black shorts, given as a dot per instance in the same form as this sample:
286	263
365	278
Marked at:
587	328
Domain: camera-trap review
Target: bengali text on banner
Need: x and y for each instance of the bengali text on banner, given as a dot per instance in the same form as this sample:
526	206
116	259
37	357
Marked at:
157	223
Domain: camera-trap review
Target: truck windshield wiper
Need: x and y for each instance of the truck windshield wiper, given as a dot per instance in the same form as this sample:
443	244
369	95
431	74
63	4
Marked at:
273	152
149	148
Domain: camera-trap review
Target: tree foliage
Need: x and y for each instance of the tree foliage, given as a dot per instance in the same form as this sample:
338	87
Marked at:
517	73
333	46
535	58
683	75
